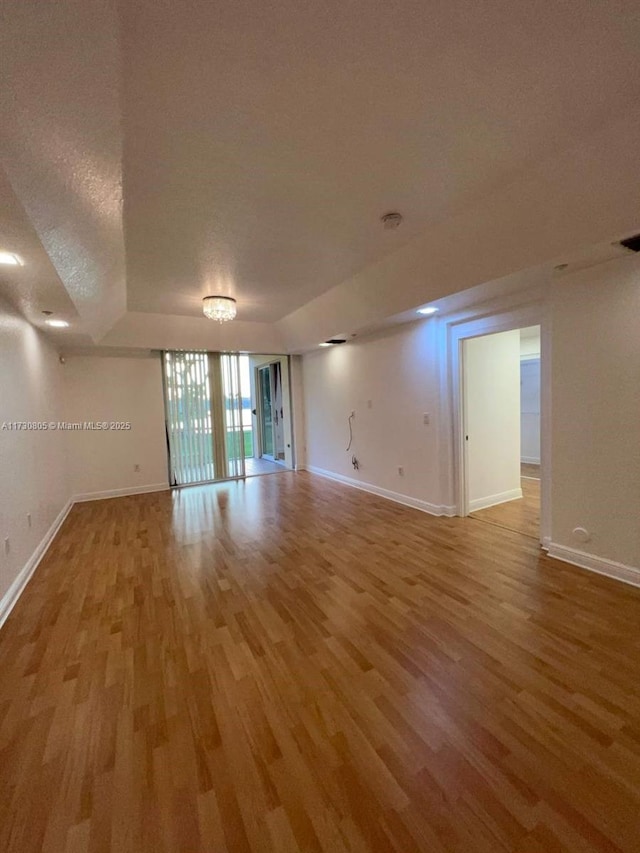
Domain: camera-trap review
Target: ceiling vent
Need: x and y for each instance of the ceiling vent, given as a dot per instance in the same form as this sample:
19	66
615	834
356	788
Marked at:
336	341
632	243
391	221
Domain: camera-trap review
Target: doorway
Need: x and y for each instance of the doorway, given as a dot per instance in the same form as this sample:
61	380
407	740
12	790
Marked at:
268	389
501	401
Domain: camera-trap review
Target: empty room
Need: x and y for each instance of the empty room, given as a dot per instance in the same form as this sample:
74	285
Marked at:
319	407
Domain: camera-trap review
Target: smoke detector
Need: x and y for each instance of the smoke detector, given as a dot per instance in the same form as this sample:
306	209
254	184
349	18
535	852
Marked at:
391	221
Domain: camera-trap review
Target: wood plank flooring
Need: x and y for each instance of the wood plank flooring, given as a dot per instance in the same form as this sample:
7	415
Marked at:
287	664
256	466
521	515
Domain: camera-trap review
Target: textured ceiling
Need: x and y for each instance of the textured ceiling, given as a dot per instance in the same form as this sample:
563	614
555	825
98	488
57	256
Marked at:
162	151
262	141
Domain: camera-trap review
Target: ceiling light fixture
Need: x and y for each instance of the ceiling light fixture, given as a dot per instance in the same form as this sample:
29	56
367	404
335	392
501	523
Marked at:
57	324
220	308
428	309
10	259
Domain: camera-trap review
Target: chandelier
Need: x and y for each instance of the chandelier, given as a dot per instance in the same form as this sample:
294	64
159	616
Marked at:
220	308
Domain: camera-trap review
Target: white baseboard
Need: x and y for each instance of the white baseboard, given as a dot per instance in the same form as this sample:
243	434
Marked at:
493	500
530	460
119	493
600	565
397	497
14	592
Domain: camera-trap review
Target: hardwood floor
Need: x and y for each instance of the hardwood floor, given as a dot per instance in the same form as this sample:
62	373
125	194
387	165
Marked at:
521	516
255	467
287	664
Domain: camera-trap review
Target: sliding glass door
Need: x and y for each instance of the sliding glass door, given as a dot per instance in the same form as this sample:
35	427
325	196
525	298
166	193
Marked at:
203	407
265	391
271	411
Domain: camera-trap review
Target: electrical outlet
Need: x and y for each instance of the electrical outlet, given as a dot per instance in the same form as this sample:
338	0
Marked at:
7	546
353	413
29	519
426	418
401	470
136	468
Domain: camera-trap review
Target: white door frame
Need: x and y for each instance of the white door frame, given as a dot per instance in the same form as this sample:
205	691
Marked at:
461	329
287	404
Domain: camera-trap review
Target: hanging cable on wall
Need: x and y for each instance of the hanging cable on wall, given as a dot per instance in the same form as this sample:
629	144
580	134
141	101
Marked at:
354	460
350	432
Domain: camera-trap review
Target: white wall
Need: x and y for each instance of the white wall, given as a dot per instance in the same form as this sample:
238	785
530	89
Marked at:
530	342
596	410
298	411
530	378
530	410
116	389
492	418
390	381
33	463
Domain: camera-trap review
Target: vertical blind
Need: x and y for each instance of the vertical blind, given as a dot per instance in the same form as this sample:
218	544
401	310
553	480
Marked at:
230	369
203	406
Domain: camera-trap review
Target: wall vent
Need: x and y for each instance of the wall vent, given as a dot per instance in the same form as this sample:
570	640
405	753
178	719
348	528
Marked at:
632	243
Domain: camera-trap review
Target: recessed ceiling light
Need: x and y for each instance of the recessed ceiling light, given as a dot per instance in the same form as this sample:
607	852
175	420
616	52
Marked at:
428	309
57	324
10	259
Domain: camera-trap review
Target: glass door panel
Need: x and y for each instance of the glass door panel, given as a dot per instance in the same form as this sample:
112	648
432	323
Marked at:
266	411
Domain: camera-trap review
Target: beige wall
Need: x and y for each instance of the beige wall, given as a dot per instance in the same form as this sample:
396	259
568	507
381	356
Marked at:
298	412
492	418
596	410
115	389
390	381
33	477
530	342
